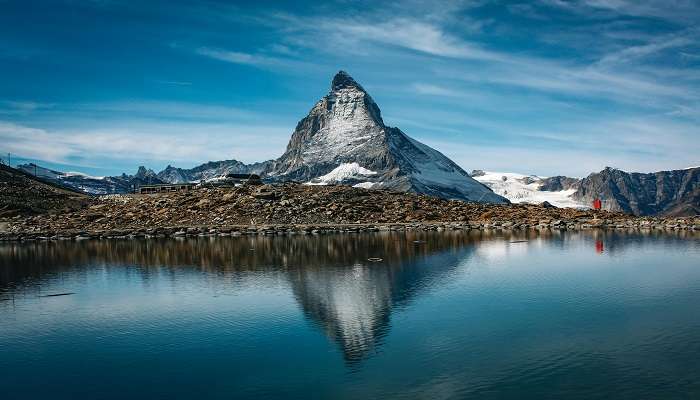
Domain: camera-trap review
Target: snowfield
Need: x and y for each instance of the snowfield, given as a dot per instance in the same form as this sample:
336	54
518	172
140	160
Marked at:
365	185
520	188
344	172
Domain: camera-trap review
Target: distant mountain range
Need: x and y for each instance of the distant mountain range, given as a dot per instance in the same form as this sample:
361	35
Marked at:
343	140
94	185
669	193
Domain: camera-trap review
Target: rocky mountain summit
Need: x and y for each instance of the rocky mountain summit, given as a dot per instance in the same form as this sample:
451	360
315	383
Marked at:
559	183
345	131
343	140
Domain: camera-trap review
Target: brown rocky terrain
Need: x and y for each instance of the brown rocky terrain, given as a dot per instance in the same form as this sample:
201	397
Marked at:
301	208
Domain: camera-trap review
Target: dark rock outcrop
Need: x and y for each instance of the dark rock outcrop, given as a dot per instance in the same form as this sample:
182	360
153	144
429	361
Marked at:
211	170
558	183
674	193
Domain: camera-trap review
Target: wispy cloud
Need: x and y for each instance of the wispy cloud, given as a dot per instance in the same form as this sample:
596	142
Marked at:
604	98
234	56
602	77
435	90
678	11
633	53
273	58
590	80
185	144
413	35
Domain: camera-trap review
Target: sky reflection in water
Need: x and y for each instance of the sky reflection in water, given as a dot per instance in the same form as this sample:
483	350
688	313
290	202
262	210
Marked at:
443	315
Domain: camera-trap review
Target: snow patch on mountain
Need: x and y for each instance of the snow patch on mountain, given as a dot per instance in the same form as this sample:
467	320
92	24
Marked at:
341	173
92	184
520	188
81	175
365	185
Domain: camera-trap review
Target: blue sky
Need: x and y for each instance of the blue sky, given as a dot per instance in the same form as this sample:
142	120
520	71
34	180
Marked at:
545	87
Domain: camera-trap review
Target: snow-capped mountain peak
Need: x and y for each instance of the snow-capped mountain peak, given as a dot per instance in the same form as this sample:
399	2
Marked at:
342	140
345	127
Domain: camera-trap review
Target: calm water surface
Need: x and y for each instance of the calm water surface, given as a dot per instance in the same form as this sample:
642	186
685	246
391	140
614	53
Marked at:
441	316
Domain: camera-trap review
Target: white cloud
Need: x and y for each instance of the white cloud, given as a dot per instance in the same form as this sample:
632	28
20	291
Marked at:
273	58
233	56
423	53
435	90
367	36
606	84
677	11
183	143
410	34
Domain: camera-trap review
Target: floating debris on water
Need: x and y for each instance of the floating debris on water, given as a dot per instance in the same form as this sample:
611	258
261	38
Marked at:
57	294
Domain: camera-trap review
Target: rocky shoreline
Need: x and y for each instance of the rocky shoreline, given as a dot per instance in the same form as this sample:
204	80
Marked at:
227	231
301	209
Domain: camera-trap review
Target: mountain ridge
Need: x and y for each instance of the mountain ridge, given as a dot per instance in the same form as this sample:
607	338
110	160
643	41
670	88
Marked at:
93	185
345	127
343	140
668	193
672	193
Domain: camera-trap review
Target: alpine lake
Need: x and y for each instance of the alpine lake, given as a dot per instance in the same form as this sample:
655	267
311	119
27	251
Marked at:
391	315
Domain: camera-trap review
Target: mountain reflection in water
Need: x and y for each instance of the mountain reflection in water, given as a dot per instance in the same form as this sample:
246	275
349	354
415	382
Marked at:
349	298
